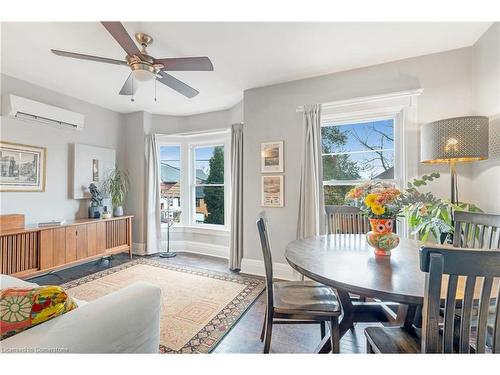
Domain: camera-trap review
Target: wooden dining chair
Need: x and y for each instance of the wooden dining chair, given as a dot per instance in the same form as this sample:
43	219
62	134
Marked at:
296	302
346	220
476	230
447	334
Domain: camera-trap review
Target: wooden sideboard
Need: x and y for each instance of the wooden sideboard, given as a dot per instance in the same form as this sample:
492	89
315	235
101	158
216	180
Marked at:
30	251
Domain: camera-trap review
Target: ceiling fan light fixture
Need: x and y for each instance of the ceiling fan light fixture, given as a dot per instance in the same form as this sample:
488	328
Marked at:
143	72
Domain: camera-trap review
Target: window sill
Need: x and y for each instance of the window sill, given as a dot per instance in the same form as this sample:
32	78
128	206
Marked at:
178	228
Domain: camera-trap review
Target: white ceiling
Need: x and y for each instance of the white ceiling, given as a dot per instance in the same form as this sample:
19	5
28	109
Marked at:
245	55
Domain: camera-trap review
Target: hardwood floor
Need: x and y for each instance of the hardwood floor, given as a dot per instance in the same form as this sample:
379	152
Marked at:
244	337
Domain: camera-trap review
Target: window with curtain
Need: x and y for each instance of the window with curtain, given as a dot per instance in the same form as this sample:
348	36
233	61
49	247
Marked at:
194	179
208	184
355	152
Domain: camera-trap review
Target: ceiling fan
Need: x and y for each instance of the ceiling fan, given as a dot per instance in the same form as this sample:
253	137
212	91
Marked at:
145	67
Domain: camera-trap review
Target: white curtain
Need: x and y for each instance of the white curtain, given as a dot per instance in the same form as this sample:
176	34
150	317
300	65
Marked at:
153	212
236	246
311	220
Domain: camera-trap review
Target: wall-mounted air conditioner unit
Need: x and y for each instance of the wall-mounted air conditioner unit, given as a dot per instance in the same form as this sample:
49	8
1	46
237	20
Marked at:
28	109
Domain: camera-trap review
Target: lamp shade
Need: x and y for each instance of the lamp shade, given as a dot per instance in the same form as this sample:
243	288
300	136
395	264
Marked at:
458	139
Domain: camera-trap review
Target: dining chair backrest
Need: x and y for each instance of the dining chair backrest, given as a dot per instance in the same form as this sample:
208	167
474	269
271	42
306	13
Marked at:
266	253
346	220
476	230
477	266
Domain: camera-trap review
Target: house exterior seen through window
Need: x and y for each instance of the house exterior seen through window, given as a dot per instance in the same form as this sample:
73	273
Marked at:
170	181
354	152
194	180
208	176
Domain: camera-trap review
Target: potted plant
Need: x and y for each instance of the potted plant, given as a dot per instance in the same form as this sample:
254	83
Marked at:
116	186
428	215
379	201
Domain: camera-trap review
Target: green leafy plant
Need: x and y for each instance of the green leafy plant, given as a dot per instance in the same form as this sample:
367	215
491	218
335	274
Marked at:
427	214
116	186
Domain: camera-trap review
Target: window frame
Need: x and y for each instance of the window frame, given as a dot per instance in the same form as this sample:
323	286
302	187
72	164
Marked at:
188	142
159	145
192	180
327	122
403	106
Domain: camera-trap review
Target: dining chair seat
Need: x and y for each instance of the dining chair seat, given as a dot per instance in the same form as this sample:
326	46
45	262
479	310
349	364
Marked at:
392	340
296	302
305	297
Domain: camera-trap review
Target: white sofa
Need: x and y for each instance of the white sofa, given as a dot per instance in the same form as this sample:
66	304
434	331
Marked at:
126	321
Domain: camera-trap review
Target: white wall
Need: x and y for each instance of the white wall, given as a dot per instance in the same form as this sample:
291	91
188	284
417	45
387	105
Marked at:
270	114
486	174
102	128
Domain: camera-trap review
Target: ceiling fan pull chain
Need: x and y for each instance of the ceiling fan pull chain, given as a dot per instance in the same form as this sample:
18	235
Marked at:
132	98
155	90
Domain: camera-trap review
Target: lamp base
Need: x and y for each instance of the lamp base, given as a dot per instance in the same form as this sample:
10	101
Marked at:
168	254
454	185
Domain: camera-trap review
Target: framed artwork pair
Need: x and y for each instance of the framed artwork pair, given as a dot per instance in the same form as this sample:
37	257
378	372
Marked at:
272	190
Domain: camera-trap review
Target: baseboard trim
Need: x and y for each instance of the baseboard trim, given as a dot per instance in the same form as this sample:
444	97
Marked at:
202	248
139	248
281	270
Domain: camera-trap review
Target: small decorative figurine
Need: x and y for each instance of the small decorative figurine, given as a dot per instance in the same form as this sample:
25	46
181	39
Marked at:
106	214
95	208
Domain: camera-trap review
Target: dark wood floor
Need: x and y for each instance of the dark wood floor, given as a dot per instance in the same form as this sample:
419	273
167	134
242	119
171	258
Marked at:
244	337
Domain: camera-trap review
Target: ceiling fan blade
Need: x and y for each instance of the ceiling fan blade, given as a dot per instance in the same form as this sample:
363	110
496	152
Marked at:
118	32
88	57
177	85
186	63
129	88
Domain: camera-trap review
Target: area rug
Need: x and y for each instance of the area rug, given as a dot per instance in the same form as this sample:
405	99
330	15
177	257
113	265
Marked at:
198	307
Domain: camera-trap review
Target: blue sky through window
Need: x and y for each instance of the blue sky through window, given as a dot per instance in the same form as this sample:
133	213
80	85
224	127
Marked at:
361	149
369	132
171	155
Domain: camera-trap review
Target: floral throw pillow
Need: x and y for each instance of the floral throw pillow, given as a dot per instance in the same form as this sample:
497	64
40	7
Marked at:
22	308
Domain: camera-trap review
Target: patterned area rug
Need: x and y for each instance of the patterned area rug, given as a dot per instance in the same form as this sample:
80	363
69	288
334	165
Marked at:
198	306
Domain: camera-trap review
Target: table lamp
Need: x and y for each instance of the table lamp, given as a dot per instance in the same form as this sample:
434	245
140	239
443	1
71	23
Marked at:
454	140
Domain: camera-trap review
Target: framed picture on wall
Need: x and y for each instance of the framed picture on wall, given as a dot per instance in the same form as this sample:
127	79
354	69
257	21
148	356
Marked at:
272	191
22	167
95	170
272	157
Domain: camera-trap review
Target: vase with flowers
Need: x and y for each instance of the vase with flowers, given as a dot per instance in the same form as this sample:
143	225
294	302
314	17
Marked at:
379	201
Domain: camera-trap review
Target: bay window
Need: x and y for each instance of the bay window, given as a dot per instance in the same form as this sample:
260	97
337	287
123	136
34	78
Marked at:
194	179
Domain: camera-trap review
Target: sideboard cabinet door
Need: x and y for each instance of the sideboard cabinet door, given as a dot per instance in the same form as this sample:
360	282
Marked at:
91	239
46	249
101	238
81	242
59	246
70	244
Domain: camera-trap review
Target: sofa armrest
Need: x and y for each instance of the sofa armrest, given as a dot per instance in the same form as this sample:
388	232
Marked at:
125	321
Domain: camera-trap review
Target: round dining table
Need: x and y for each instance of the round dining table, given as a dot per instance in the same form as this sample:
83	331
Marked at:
347	263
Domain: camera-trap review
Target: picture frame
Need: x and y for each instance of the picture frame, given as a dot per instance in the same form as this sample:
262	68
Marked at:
22	167
95	170
272	157
272	191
